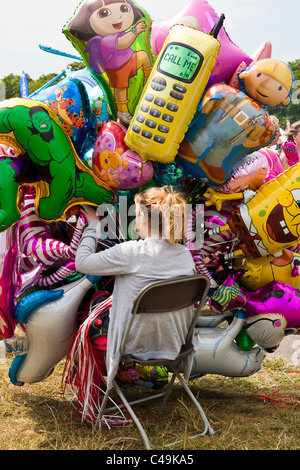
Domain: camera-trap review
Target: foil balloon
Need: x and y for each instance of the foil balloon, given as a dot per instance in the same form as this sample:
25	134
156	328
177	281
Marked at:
272	311
6	150
69	101
227	126
115	163
269	82
268	220
99	108
206	254
50	319
48	160
168	174
291	152
216	351
100	111
8	281
230	56
264	51
113	40
253	170
38	247
258	272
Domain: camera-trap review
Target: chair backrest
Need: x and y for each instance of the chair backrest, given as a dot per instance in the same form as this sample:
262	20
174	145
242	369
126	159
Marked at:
170	295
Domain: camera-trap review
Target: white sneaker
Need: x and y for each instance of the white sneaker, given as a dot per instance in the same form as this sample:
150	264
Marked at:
124	117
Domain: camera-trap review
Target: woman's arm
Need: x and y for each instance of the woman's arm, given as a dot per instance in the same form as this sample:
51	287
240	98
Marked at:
112	261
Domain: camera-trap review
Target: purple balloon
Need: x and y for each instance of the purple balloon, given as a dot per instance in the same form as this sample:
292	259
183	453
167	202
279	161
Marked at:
8	281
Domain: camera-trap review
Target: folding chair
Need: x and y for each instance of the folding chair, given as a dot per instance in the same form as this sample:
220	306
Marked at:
158	298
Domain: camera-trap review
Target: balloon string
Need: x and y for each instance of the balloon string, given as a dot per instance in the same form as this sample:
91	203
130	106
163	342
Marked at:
276	399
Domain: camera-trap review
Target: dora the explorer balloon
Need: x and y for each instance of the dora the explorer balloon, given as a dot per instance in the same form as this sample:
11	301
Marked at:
232	123
108	34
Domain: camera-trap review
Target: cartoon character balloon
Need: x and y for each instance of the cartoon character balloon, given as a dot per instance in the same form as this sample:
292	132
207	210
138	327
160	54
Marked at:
269	82
228	126
257	272
69	101
253	170
272	311
230	123
269	219
47	159
113	39
115	163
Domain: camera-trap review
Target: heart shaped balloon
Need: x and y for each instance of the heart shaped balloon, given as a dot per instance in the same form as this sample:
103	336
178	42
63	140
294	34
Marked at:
115	163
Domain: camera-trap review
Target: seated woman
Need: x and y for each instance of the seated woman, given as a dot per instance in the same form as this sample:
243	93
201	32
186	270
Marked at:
157	255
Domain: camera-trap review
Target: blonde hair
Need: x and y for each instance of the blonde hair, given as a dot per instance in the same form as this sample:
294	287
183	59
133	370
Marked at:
165	207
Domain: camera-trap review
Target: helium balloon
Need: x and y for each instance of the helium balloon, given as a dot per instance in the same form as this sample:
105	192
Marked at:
267	221
227	126
264	51
269	82
291	152
216	351
258	272
8	281
115	163
272	312
50	319
253	170
69	101
48	160
173	91
230	56
38	247
169	174
113	41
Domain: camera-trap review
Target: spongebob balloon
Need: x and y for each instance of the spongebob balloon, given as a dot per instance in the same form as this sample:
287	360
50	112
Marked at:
269	219
258	272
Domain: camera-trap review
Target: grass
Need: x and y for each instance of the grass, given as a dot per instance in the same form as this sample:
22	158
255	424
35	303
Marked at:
260	412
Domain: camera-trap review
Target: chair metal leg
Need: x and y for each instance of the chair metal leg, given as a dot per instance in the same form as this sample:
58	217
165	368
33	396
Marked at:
126	405
101	411
167	393
133	415
208	429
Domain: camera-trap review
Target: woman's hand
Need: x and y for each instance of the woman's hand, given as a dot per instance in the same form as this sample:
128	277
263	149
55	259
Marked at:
89	213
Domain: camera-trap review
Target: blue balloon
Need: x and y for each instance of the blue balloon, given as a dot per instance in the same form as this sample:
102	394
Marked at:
69	100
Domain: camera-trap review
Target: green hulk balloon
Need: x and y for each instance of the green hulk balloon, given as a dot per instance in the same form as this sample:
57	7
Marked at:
46	158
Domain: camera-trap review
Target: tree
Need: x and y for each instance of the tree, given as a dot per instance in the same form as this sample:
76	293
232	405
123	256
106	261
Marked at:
12	82
291	112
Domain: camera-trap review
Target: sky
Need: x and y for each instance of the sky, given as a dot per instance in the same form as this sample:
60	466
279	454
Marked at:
248	23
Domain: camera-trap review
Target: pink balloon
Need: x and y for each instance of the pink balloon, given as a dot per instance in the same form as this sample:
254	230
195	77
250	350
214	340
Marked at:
253	171
115	163
8	281
230	56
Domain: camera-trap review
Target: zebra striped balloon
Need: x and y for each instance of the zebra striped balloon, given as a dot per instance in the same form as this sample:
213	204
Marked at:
37	245
213	243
